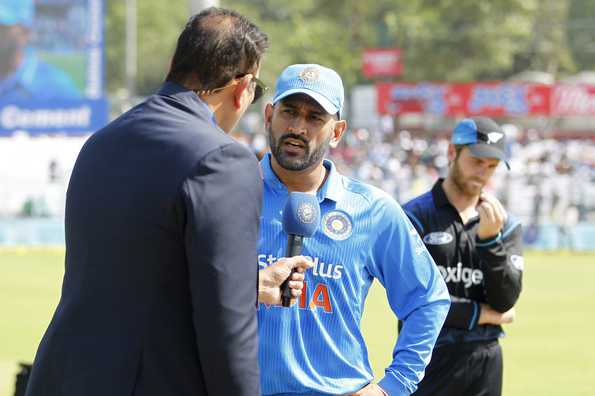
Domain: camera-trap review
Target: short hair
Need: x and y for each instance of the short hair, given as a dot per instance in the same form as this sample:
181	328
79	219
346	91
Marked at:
216	46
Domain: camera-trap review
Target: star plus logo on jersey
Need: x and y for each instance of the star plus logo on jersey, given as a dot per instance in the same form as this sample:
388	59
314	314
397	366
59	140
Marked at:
468	276
313	296
321	269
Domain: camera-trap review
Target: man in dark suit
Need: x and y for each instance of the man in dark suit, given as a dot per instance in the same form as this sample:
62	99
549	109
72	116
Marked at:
159	294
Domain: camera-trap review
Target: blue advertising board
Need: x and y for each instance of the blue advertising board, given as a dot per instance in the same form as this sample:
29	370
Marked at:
51	66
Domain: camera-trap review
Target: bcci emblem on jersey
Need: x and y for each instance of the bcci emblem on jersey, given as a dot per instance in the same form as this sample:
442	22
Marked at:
306	213
337	225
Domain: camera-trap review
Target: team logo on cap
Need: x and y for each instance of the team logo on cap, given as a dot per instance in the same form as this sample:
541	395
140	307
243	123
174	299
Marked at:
494	137
337	225
309	74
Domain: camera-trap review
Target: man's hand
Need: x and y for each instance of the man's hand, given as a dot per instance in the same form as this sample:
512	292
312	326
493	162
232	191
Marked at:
489	315
270	279
369	390
492	216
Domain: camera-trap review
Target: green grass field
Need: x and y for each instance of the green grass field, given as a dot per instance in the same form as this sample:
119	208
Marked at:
548	351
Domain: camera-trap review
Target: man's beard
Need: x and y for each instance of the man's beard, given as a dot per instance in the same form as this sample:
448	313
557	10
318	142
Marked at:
463	183
295	163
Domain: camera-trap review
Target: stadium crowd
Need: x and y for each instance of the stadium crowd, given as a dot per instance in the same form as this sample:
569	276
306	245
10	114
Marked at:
551	181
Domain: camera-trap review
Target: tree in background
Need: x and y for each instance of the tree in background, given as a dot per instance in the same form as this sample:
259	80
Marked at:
159	24
442	40
580	31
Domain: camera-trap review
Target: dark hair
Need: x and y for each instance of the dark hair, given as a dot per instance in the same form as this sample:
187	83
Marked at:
216	46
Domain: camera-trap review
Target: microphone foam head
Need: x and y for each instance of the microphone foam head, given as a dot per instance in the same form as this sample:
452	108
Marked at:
301	215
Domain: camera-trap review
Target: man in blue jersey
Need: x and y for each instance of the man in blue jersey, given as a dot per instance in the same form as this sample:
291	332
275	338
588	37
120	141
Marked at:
316	347
478	249
22	74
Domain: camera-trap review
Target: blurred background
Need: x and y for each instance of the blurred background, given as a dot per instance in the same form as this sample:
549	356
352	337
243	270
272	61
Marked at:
412	69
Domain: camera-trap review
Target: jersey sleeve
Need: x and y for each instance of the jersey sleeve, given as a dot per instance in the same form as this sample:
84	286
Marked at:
502	264
416	293
463	314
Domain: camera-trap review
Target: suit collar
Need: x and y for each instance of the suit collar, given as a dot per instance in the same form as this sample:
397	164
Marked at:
188	97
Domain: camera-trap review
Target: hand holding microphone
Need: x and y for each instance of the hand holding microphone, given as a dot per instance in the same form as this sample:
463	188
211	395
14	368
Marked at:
300	220
271	278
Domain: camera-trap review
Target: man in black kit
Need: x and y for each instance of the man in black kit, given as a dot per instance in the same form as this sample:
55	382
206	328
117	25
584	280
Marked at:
478	249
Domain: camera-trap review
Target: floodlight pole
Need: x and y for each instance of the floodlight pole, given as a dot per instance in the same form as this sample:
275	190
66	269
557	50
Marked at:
131	47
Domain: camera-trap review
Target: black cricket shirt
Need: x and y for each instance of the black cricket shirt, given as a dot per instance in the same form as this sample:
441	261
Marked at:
476	271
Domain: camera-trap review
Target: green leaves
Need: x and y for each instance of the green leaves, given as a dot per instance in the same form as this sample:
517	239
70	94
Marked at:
442	40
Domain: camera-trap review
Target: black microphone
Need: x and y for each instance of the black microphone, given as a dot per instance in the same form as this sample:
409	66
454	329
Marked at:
300	219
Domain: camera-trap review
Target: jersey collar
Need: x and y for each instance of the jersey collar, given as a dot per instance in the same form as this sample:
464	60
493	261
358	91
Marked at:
439	195
331	189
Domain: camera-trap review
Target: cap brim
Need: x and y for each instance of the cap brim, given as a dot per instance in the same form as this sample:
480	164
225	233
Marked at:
488	151
321	100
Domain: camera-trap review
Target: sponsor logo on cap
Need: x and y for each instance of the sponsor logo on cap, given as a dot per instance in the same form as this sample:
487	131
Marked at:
337	225
438	238
494	137
309	74
306	213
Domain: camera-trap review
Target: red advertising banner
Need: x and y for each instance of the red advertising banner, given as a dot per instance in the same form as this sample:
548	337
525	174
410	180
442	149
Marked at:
485	98
382	62
573	99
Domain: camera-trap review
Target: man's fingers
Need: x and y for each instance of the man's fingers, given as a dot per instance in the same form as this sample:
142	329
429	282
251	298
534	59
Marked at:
297	276
495	204
300	263
509	316
296	285
486	212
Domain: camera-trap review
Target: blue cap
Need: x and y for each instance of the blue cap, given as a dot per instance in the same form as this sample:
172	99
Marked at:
322	84
13	12
483	136
301	214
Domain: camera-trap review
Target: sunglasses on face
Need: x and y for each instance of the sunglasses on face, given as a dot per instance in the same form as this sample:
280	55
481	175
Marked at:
259	87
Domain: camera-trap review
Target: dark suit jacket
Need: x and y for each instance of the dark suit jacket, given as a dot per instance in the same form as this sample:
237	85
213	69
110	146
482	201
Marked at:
159	294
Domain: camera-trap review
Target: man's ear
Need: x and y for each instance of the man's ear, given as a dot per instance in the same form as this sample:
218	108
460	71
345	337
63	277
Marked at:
268	114
452	153
241	93
338	130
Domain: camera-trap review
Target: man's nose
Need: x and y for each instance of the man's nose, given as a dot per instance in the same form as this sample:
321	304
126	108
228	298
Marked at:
298	126
482	171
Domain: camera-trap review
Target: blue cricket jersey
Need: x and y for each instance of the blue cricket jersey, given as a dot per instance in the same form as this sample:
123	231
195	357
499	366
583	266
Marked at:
316	347
37	80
